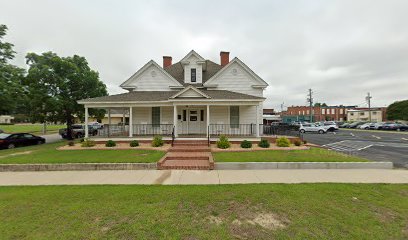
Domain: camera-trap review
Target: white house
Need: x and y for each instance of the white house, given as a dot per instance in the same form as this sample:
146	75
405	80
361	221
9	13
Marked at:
193	97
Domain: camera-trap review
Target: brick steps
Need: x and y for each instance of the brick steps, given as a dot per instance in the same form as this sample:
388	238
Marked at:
188	155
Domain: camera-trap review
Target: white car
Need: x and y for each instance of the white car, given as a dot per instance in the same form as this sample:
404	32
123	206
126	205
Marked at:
311	127
365	126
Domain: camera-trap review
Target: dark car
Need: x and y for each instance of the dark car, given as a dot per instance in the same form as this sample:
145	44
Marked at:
403	127
13	140
390	126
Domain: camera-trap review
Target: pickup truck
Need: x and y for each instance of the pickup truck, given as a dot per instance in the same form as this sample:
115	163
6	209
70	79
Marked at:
78	131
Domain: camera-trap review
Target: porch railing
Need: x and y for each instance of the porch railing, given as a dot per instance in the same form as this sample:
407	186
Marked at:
232	129
152	129
114	130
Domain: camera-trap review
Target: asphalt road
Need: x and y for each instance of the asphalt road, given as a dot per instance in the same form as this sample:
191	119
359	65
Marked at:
372	145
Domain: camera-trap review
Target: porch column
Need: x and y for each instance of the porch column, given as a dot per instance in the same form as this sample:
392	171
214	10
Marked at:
109	121
208	120
257	121
131	122
86	123
175	120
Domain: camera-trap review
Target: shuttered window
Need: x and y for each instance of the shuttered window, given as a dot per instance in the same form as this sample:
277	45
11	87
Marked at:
193	75
156	116
234	116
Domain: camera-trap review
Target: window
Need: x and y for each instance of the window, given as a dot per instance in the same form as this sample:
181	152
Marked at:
333	110
201	115
374	113
234	116
351	114
307	112
341	111
323	111
193	75
184	115
155	116
362	114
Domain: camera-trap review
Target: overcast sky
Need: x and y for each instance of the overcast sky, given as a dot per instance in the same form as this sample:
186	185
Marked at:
341	49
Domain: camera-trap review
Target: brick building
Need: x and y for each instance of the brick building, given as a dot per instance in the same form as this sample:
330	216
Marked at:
319	113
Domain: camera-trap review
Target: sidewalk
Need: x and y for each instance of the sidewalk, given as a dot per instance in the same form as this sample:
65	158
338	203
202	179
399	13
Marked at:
185	177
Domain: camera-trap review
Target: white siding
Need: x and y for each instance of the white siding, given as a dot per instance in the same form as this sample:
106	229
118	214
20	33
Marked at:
219	114
240	81
142	115
166	115
152	80
193	64
247	114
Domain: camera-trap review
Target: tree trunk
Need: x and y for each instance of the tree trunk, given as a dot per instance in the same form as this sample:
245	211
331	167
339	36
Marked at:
69	127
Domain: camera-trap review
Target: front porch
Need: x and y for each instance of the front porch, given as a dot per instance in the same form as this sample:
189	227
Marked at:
181	121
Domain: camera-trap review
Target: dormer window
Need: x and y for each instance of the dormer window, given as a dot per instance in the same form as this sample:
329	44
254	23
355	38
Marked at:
193	75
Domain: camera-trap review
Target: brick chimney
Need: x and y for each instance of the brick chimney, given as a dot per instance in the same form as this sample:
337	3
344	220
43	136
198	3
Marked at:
166	61
224	58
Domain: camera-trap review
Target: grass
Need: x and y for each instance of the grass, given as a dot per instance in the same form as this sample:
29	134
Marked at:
30	128
263	211
48	153
311	155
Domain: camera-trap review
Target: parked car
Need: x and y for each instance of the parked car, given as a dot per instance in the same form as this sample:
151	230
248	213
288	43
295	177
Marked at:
355	124
310	127
390	126
376	126
403	127
78	131
331	126
366	126
344	125
96	125
19	140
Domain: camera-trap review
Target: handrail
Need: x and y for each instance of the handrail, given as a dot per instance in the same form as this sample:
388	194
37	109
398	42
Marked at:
173	136
208	135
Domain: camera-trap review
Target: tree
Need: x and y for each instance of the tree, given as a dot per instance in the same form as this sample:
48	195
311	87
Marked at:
11	91
398	111
55	84
320	104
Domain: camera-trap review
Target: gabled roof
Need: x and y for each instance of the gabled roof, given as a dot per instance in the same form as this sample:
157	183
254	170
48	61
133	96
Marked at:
147	96
146	66
190	88
177	71
244	66
192	52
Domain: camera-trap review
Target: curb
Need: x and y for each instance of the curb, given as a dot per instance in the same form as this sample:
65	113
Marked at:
75	167
302	165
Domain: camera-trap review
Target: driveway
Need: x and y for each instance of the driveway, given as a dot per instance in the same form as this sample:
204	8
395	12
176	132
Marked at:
373	145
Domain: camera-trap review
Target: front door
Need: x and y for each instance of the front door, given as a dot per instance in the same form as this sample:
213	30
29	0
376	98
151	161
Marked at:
192	121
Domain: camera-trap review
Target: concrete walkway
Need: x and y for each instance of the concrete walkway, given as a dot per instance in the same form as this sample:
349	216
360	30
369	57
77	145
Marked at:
181	177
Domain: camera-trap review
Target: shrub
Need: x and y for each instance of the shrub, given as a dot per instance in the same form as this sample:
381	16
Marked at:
134	143
246	144
264	143
304	142
223	142
110	143
81	140
282	142
297	142
88	143
71	143
157	141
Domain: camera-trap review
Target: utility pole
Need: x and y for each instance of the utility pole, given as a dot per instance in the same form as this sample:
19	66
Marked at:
310	100
368	99
282	106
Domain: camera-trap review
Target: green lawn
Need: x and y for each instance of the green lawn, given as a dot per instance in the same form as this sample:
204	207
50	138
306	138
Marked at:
30	128
265	211
47	153
311	155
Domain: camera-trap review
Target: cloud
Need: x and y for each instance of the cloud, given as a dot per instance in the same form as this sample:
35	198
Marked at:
341	49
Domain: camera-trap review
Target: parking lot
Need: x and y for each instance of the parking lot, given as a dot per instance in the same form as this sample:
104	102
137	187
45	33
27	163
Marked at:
373	145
